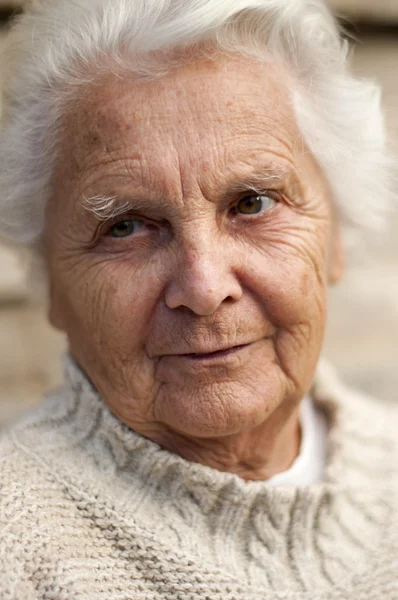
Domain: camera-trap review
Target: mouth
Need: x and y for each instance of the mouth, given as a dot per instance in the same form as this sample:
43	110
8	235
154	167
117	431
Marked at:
216	354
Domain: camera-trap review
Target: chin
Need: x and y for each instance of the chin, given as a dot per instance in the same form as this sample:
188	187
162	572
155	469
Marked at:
220	409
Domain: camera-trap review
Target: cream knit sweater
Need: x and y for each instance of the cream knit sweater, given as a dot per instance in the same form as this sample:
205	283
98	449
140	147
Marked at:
89	510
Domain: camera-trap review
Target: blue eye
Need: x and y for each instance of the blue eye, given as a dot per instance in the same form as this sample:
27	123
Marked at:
126	228
254	204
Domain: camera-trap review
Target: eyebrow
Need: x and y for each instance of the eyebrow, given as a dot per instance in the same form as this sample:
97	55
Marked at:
105	207
257	182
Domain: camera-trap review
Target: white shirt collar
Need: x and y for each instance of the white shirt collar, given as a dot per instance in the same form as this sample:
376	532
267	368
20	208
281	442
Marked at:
308	467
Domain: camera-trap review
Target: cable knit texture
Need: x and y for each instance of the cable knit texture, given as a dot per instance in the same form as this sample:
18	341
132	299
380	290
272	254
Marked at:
91	510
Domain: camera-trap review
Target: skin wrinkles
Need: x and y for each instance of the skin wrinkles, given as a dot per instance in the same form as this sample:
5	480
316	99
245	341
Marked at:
279	179
181	151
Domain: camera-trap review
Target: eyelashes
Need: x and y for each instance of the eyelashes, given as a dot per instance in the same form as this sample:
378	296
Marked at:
249	207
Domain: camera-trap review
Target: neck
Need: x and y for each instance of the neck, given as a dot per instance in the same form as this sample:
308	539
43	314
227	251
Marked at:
256	455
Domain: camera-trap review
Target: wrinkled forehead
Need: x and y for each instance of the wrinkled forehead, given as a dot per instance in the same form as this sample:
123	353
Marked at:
228	99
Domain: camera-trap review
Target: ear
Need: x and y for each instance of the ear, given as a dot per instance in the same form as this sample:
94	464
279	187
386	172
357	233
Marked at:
52	300
336	266
55	313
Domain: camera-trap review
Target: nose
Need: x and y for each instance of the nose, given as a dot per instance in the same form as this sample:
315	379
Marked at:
203	277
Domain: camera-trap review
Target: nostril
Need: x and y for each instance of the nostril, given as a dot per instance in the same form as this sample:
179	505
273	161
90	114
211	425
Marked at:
185	310
202	289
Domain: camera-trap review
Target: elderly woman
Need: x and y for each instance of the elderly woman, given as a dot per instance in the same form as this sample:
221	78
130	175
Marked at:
187	171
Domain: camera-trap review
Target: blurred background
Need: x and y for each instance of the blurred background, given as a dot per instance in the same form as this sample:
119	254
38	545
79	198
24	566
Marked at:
362	337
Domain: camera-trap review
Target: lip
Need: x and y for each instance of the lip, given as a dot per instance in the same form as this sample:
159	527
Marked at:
216	357
199	356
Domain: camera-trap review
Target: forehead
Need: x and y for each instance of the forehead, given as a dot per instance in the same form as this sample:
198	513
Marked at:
229	105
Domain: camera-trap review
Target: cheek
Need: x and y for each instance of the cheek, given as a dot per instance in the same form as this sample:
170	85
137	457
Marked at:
114	302
286	265
294	299
291	290
294	296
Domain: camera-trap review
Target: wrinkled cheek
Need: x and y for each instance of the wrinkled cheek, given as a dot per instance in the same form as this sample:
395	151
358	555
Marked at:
294	300
290	293
123	316
298	344
113	307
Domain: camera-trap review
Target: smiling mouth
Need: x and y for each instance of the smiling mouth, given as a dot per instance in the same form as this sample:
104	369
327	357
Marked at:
218	353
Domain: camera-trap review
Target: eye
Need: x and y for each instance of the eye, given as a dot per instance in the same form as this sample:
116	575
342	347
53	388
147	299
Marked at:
254	204
126	228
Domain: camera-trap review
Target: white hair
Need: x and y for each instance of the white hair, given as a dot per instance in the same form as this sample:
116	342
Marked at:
60	45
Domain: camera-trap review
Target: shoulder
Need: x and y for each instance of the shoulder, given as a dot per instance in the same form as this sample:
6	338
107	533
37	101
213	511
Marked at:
28	484
362	429
21	496
23	478
36	507
59	529
17	469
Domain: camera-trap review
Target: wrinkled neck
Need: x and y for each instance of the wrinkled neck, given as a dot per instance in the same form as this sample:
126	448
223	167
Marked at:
255	455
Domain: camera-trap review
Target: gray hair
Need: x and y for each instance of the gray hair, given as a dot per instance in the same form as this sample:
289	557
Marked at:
60	45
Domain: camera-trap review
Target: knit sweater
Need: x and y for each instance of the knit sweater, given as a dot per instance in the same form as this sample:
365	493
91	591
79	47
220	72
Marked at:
90	510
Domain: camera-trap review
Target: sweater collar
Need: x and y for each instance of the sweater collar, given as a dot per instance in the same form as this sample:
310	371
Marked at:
267	532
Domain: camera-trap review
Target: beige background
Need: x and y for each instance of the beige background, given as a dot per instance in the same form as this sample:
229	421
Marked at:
380	11
363	327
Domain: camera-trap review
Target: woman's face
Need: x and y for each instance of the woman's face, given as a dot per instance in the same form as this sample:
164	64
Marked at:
200	308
